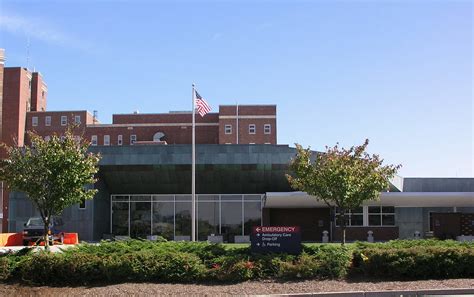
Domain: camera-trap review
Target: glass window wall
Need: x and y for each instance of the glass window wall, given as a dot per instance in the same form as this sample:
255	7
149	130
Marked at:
169	216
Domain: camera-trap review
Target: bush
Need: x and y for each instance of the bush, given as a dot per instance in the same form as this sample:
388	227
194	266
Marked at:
421	262
6	268
136	260
82	268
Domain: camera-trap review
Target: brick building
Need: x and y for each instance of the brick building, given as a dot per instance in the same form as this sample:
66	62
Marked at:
145	177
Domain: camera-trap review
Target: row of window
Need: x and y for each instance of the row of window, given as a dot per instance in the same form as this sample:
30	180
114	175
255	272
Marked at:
267	129
369	216
133	139
47	120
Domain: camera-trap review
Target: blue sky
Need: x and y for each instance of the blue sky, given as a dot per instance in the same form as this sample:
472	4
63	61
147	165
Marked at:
397	72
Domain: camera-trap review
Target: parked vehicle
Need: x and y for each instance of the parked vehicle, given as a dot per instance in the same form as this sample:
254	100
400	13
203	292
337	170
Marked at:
34	230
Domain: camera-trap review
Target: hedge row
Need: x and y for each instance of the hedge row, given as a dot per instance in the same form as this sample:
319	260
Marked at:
134	260
422	262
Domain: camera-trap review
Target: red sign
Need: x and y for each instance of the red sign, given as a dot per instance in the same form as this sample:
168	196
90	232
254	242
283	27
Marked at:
276	229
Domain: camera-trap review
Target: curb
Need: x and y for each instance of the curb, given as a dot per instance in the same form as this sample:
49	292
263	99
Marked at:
404	293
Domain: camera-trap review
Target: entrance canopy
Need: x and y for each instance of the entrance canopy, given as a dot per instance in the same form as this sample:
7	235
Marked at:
399	199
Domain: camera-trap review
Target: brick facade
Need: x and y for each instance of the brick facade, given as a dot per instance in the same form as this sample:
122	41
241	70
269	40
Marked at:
253	123
39	92
176	127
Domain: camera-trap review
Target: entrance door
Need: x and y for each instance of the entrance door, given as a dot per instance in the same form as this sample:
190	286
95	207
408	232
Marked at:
446	225
312	221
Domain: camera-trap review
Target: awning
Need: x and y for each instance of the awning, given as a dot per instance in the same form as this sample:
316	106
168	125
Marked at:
399	199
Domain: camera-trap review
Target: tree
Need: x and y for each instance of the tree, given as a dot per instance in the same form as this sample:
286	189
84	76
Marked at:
340	177
53	173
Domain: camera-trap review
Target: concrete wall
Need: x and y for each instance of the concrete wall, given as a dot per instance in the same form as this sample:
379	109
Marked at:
409	220
438	185
101	222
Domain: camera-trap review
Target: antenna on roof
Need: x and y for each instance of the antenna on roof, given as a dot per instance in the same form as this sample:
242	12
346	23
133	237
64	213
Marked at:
28	52
94	116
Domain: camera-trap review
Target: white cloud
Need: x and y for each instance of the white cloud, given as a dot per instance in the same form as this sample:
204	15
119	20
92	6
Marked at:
38	29
216	36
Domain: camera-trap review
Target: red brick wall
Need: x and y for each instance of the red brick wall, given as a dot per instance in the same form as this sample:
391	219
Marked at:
16	94
467	224
180	134
176	126
258	115
2	59
163	118
56	127
38	93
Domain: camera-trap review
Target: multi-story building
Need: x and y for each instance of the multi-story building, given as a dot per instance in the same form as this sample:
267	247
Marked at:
256	124
145	177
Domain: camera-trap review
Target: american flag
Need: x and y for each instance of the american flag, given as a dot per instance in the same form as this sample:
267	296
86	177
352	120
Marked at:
201	105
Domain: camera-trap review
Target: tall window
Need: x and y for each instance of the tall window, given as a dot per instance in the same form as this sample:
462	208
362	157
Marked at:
133	138
120	140
82	205
267	129
77	119
354	217
63	120
381	216
252	129
47	121
228	129
94	140
34	121
106	139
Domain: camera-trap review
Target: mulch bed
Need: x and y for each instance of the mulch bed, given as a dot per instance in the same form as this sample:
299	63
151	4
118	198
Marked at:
245	288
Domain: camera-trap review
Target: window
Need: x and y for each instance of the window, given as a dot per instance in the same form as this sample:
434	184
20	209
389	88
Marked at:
47	121
34	121
381	216
120	140
82	205
133	138
77	119
228	129
63	120
94	140
106	139
63	137
353	217
252	129
267	129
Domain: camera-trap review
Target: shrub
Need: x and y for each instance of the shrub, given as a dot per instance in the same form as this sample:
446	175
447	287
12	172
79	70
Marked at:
416	262
6	268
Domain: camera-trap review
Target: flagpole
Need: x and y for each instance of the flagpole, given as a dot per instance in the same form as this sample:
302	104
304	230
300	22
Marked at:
193	170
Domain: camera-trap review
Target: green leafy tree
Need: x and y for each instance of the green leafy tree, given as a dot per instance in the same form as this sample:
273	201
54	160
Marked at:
340	177
53	173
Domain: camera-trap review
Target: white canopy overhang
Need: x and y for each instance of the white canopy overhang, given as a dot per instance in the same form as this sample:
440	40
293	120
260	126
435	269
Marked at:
399	199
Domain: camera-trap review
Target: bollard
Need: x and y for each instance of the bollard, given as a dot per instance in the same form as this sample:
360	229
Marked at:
370	237
417	235
325	236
